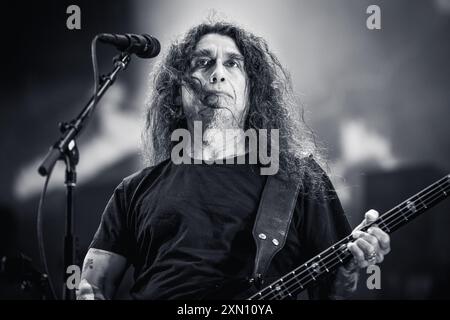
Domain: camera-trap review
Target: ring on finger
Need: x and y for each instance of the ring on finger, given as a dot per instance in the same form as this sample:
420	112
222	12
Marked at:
372	257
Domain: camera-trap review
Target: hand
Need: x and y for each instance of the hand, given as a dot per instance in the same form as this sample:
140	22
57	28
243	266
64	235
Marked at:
369	247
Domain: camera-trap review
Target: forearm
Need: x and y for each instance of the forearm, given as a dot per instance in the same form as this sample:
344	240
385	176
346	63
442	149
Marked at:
102	272
87	291
93	277
346	281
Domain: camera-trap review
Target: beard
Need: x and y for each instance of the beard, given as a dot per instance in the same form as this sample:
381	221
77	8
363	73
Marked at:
217	112
214	110
220	117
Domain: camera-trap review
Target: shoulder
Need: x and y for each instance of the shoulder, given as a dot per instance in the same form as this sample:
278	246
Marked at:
137	176
132	183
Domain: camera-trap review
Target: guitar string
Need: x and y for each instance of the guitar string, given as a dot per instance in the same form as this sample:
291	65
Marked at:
391	213
281	291
425	191
323	259
419	196
326	257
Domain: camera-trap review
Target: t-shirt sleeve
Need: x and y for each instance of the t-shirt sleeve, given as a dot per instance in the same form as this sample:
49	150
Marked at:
113	234
324	224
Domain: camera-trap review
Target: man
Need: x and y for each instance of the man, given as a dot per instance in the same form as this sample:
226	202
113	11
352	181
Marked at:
187	228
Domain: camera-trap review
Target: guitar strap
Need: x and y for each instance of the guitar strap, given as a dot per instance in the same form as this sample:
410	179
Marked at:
272	222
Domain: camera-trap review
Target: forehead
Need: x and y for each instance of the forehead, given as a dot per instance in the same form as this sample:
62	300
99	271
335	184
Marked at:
214	41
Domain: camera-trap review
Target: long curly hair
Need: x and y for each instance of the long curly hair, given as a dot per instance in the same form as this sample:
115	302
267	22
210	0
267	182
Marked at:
272	103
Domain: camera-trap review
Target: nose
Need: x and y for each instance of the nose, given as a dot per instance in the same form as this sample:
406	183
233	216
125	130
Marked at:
214	79
217	75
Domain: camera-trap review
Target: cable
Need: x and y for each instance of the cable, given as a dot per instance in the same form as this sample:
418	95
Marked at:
95	66
41	236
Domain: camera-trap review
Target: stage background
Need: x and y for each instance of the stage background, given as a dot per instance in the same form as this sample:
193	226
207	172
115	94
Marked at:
377	99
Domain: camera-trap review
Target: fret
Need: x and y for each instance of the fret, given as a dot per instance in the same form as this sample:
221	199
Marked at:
338	254
295	277
319	265
382	223
271	290
342	250
278	291
299	283
443	191
315	267
420	199
309	271
411	206
283	287
321	262
403	215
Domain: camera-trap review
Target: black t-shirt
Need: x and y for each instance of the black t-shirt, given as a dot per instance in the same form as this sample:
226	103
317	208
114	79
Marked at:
188	228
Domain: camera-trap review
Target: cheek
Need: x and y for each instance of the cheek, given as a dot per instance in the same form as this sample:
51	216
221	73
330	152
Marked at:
201	76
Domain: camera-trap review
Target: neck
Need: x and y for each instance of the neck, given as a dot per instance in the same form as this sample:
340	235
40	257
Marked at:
216	141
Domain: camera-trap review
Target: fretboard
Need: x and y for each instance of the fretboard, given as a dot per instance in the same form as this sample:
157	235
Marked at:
330	259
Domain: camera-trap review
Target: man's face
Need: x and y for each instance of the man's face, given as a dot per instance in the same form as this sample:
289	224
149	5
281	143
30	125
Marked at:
218	66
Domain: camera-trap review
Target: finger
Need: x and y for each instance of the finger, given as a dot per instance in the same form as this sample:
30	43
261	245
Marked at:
369	244
380	257
361	260
369	217
358	254
372	240
366	248
384	240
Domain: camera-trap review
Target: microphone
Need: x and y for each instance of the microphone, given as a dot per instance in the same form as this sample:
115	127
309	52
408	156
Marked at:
144	46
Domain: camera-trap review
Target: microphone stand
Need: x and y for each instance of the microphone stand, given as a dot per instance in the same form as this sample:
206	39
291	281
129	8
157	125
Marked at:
65	149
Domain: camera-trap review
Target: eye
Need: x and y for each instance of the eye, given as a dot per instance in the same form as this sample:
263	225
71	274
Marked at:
202	62
232	64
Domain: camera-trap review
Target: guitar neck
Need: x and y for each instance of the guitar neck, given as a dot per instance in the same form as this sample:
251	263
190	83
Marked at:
330	259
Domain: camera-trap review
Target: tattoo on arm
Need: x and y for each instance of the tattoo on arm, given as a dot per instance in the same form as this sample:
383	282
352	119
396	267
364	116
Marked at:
102	272
89	263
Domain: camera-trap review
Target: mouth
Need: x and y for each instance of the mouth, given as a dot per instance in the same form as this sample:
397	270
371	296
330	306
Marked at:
217	93
206	111
211	98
